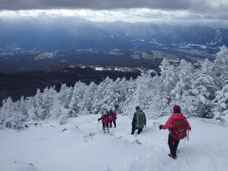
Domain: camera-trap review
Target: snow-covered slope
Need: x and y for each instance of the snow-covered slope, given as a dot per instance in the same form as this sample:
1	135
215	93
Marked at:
80	145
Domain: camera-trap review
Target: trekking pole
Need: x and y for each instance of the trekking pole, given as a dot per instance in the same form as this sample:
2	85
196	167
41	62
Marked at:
188	135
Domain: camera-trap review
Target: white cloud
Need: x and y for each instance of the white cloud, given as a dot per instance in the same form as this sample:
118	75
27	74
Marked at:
128	15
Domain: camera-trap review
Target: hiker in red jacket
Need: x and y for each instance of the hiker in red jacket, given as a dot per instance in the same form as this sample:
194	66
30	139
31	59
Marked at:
112	117
178	126
105	120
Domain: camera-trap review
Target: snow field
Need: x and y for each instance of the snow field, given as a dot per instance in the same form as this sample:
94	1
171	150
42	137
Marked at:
81	145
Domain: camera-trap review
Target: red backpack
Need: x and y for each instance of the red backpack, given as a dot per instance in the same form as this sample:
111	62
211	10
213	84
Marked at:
180	128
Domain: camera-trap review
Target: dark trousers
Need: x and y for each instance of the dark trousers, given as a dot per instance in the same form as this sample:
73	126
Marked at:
173	144
110	123
105	126
114	122
134	128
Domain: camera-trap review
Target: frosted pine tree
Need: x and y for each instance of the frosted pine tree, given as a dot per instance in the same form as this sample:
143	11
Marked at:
37	111
108	94
64	96
128	107
167	82
49	98
142	83
220	105
220	66
11	115
76	99
203	90
120	91
87	100
157	105
103	95
6	111
60	107
181	94
24	105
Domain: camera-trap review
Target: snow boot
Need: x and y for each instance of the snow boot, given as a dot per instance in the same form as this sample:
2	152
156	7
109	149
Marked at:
174	157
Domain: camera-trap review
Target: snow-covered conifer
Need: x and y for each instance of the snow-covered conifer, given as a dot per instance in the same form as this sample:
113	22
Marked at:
87	100
203	90
220	106
181	93
220	68
11	116
76	99
167	81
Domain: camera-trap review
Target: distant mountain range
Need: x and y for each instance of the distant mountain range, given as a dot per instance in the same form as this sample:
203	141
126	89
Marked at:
73	33
40	52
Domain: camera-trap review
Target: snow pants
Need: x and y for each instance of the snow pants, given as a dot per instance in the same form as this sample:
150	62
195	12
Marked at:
105	126
114	123
134	128
173	144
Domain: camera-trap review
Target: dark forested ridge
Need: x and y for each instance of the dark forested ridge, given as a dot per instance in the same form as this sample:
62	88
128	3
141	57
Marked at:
26	83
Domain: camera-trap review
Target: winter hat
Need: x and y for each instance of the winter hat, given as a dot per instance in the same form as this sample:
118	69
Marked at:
104	112
137	108
176	109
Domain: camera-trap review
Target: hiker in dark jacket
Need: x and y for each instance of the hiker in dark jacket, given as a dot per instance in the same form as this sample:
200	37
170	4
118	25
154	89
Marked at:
114	117
105	120
110	118
173	140
138	121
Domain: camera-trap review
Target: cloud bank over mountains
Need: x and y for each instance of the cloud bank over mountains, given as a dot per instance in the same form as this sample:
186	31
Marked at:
196	11
193	5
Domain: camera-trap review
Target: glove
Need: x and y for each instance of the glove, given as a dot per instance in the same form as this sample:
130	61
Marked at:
160	127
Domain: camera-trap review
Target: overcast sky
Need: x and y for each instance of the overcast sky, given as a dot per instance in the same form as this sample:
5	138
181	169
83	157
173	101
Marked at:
177	11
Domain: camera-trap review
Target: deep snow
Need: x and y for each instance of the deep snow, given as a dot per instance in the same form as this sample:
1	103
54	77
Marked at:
80	145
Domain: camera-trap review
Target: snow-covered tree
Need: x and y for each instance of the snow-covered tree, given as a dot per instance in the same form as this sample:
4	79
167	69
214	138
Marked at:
49	98
121	92
76	99
156	105
64	96
128	106
203	90
220	105
220	68
103	95
87	100
168	81
37	111
11	116
180	93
